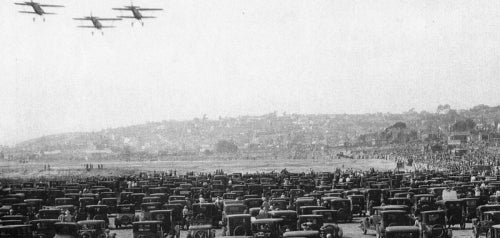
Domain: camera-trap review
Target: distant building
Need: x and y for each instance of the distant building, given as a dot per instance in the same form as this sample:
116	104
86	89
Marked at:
463	137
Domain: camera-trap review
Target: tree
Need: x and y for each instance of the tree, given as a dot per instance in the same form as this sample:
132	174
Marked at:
224	146
461	126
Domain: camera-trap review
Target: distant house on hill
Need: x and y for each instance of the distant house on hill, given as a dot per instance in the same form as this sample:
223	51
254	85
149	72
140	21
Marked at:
52	152
463	137
379	142
458	138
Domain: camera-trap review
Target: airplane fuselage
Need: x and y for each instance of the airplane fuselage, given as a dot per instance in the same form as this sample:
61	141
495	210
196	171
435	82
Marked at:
97	24
36	7
137	13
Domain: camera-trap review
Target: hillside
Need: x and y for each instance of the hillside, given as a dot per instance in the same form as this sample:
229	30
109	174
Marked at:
270	131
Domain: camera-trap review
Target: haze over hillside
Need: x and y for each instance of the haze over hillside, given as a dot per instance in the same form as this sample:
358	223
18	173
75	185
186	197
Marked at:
274	130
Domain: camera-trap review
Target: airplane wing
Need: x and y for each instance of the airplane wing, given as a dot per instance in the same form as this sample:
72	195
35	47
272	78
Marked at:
108	26
150	9
109	19
21	3
148	17
126	17
121	9
86	26
50	5
81	19
28	12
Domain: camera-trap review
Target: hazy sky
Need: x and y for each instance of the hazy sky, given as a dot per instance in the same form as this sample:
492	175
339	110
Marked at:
238	57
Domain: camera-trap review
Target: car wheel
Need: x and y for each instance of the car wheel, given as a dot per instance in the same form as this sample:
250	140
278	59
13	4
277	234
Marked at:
438	230
239	231
86	235
342	214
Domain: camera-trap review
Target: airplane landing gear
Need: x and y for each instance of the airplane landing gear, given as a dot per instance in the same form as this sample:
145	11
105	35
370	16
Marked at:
132	23
44	19
34	18
142	23
92	33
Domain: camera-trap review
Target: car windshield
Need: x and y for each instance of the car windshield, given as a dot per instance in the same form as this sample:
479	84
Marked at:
313	221
356	199
44	225
328	217
124	209
262	227
397	218
495	218
340	204
145	227
91	226
65	230
234	209
433	219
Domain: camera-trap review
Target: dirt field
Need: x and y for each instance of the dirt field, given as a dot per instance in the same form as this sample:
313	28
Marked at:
35	169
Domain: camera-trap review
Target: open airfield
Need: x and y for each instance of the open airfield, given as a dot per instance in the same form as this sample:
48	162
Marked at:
35	169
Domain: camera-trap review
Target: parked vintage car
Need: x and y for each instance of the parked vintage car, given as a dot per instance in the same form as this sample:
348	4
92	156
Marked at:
206	214
92	229
342	206
44	228
150	229
372	198
310	222
49	213
471	205
455	212
433	225
267	228
385	216
485	221
422	203
289	219
16	231
165	217
98	212
238	225
66	230
358	204
202	231
125	215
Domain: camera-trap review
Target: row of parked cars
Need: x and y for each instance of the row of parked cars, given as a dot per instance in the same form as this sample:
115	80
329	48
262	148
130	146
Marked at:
303	205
